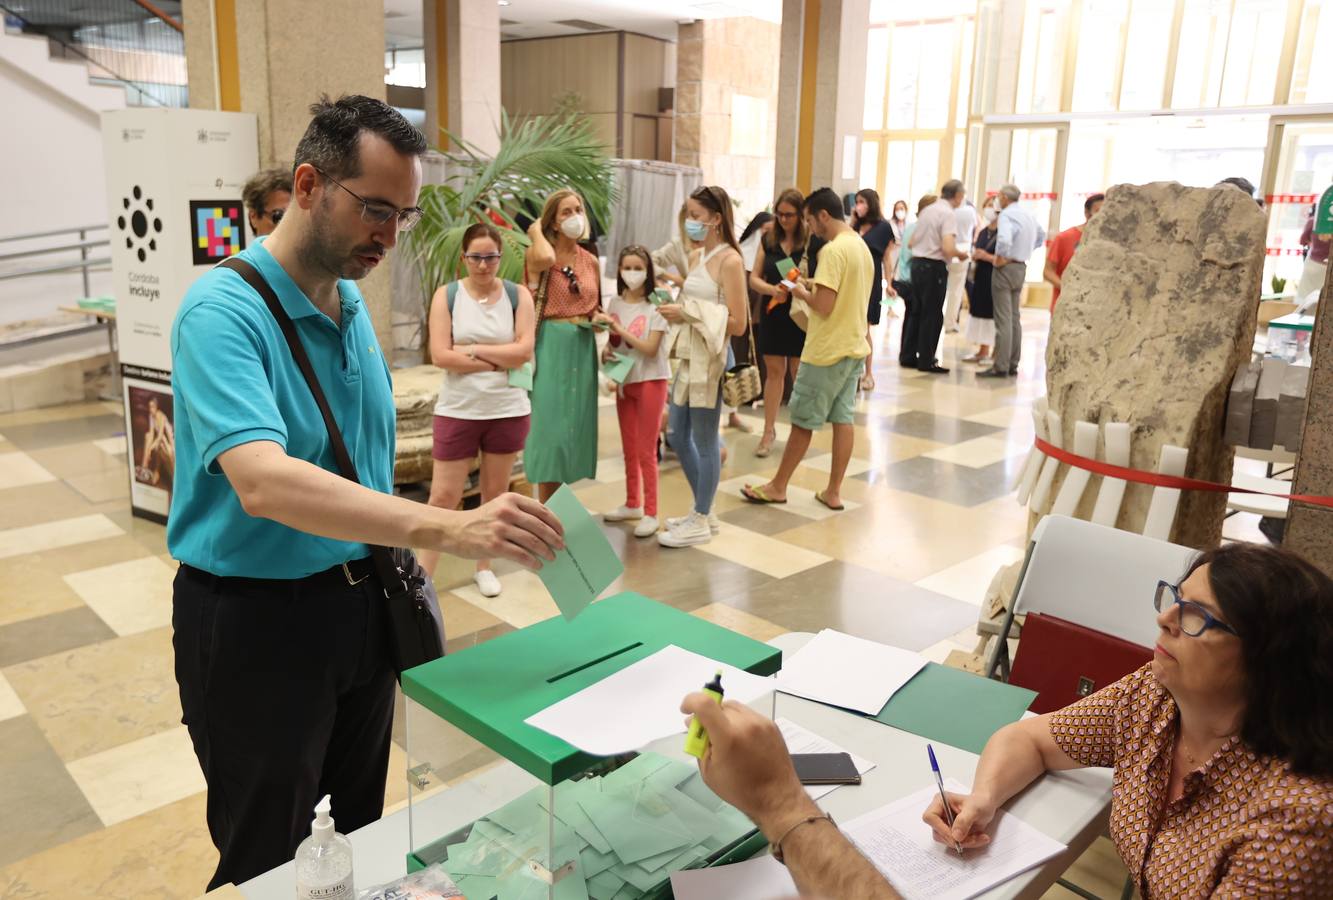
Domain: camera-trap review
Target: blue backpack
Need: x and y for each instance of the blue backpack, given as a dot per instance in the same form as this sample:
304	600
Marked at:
511	290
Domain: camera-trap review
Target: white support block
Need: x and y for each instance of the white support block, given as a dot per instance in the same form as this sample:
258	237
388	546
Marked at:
1076	479
1112	492
1048	469
1162	509
1032	466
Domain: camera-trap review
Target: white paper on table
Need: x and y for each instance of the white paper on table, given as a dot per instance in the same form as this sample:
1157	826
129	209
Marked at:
903	848
801	740
761	878
641	703
850	672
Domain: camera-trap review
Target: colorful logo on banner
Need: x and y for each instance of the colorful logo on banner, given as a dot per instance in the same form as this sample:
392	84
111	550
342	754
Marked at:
138	223
216	230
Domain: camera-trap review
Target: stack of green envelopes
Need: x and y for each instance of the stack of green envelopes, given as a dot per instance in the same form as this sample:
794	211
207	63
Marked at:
629	830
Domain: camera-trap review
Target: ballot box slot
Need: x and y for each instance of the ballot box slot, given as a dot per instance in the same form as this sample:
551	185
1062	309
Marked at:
601	659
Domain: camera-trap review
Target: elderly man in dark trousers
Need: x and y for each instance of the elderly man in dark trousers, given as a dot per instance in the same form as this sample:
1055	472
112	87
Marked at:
1019	236
934	243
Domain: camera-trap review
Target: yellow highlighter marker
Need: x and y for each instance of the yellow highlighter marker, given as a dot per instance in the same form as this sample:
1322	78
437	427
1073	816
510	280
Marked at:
696	739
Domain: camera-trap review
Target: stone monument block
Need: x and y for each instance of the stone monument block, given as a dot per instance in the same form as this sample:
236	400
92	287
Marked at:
1156	312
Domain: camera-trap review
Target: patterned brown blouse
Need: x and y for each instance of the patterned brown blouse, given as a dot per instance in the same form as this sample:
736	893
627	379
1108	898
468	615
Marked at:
561	300
1246	826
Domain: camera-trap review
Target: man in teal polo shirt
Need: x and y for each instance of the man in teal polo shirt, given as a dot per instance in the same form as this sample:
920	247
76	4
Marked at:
282	645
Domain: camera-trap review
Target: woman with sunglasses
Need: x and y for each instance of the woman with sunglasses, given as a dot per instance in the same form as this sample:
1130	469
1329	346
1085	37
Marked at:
1222	746
266	196
480	328
567	282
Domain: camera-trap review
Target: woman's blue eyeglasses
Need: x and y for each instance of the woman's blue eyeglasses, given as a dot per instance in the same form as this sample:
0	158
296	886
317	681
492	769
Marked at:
1194	619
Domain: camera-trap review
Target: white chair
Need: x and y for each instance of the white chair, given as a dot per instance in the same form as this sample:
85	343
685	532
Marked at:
1092	575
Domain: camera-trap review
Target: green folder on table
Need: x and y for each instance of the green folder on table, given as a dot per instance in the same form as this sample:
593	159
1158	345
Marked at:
522	376
617	367
955	707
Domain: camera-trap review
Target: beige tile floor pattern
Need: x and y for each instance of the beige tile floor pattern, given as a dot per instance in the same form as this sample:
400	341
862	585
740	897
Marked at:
102	795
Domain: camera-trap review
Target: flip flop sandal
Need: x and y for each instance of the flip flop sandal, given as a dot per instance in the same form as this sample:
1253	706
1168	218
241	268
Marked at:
757	496
819	495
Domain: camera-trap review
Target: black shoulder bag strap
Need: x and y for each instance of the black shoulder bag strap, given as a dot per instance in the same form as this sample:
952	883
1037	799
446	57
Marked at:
390	574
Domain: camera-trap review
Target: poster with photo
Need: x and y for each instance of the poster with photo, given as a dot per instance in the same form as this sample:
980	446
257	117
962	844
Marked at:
150	416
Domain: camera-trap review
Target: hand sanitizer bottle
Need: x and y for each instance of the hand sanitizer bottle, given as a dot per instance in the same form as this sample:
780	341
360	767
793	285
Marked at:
324	861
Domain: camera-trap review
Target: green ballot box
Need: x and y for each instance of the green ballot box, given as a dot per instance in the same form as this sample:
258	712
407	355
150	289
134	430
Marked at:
582	825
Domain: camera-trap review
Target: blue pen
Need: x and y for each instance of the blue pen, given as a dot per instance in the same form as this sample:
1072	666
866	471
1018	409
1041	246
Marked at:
939	779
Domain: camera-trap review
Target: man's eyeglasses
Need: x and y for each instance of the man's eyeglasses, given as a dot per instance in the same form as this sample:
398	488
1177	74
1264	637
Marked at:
374	212
483	259
568	272
1194	619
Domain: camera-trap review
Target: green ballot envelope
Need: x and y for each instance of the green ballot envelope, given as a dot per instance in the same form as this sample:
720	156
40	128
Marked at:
659	296
955	707
595	326
785	266
617	368
587	565
522	376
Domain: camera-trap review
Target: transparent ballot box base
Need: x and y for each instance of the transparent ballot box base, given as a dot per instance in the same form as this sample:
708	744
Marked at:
617	829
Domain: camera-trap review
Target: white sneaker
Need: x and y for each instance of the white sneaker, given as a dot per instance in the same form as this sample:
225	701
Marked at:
623	514
487	583
694	530
714	523
647	527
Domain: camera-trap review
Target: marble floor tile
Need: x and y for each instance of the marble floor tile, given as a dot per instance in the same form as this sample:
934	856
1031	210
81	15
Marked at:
10	704
767	520
35	504
69	461
140	776
685	578
462	617
770	556
62	413
823	462
957	401
861	602
112	446
18	469
62	533
976	453
164	854
968	580
101	696
131	596
32	585
43	805
149	535
1017	416
71	430
101	487
44	635
739	621
1099	870
878	446
800	500
939	428
523	600
950	482
454	643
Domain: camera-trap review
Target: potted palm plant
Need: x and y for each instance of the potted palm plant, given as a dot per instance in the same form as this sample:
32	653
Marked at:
537	157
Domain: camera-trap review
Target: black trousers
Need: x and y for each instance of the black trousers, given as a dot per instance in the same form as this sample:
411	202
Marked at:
930	283
287	690
906	349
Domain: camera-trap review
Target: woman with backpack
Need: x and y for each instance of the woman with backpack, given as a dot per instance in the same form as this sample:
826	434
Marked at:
481	328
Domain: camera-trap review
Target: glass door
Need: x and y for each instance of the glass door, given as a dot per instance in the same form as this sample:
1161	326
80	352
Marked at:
1033	158
1301	166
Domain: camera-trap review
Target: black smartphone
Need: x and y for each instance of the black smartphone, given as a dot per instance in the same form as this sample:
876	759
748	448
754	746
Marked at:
825	768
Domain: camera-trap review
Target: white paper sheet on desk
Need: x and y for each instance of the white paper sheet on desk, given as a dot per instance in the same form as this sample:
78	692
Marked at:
761	878
641	703
902	847
801	740
846	671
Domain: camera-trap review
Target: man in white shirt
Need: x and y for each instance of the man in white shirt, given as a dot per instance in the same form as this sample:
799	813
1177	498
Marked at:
966	217
1019	235
934	245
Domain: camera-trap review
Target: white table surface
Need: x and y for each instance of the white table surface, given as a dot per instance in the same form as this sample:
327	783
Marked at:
1071	807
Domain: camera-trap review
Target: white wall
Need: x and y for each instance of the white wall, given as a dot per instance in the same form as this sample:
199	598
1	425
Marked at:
51	169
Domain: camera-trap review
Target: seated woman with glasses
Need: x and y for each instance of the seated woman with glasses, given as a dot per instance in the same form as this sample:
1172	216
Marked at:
567	283
1222	746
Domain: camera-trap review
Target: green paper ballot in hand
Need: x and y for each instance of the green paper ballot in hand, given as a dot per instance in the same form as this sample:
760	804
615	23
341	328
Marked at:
659	296
789	271
595	326
522	376
588	564
618	366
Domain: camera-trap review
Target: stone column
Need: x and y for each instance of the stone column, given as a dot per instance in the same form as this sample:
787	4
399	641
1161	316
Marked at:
1310	528
822	90
462	41
727	106
283	54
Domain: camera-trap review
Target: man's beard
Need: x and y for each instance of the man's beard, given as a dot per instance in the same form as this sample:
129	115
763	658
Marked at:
325	252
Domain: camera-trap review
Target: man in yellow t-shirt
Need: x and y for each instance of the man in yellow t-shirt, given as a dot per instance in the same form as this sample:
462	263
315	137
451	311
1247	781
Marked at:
835	348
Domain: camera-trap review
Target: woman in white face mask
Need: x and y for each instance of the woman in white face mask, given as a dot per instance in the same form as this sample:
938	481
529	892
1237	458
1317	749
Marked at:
981	311
566	281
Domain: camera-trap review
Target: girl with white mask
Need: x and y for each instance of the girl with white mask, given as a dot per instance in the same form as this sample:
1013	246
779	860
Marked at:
637	330
566	281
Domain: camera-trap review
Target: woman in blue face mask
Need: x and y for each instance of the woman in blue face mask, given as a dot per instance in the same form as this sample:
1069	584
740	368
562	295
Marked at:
710	309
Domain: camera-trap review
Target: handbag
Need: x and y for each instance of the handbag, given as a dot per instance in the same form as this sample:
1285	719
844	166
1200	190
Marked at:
416	622
741	384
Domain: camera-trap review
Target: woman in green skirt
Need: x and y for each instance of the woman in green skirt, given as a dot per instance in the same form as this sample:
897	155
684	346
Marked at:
567	283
